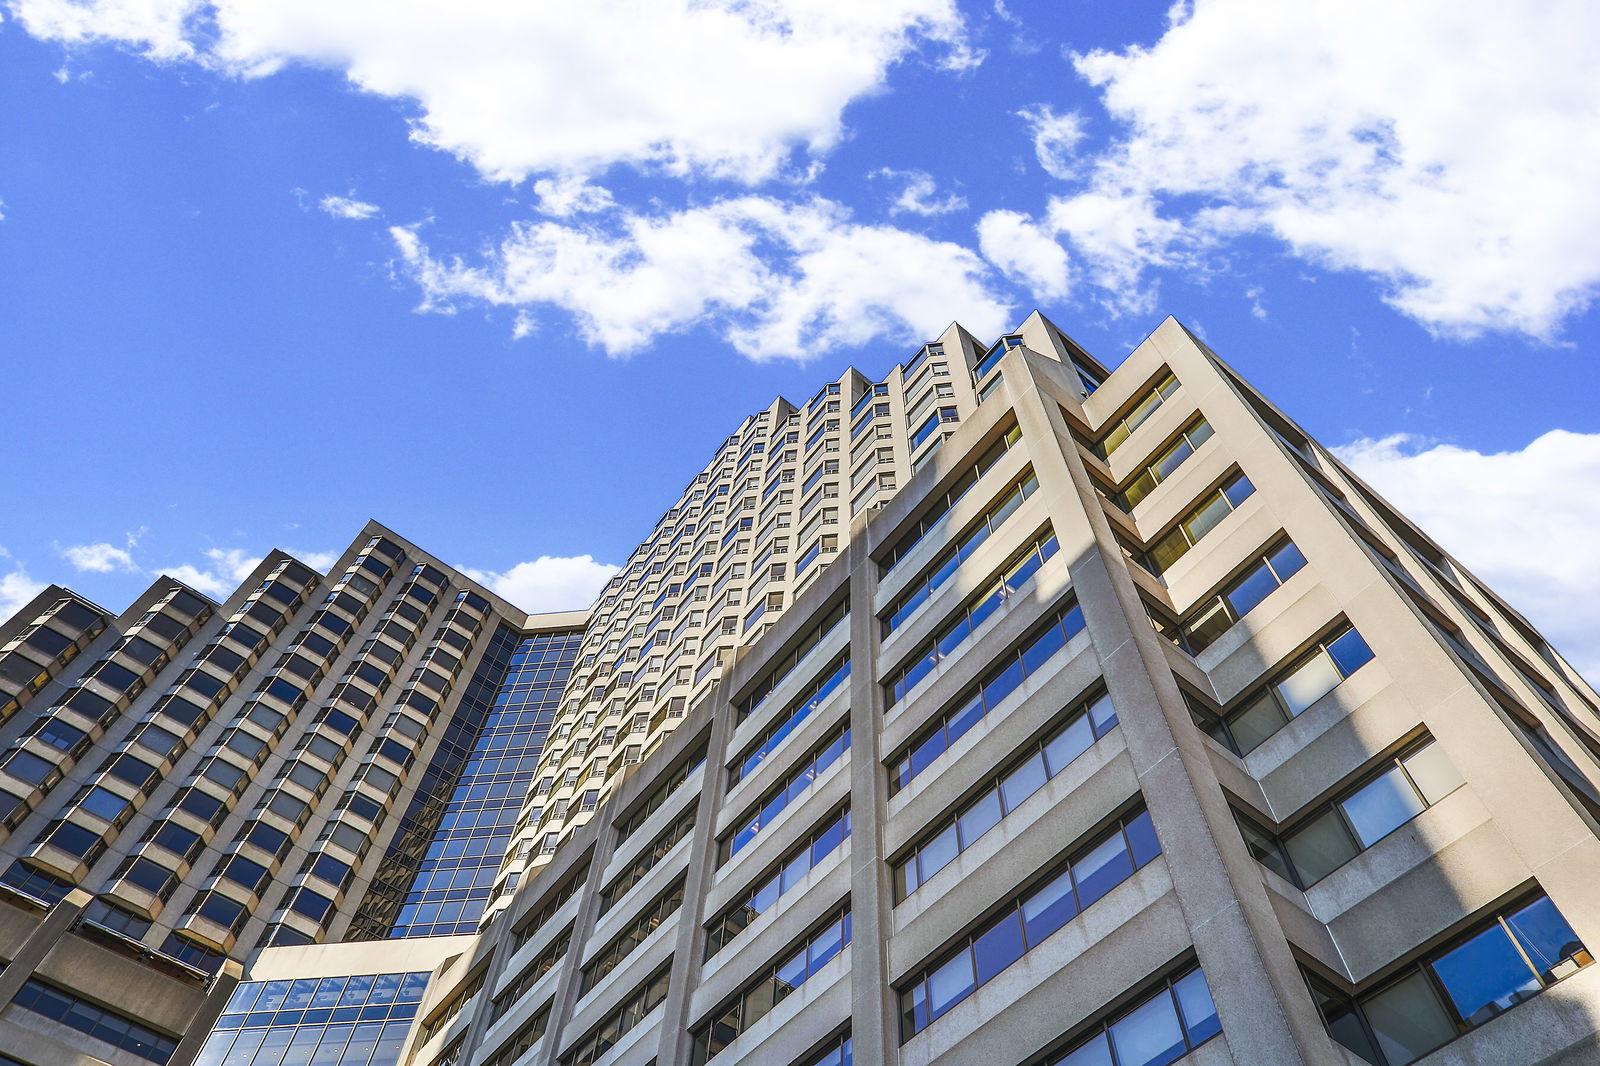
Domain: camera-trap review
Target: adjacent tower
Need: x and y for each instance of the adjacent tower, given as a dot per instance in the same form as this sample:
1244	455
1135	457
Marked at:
314	759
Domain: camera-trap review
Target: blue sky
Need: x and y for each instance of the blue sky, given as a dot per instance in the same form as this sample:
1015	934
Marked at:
502	275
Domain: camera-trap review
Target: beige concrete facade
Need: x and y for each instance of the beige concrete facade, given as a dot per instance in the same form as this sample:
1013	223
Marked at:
1449	662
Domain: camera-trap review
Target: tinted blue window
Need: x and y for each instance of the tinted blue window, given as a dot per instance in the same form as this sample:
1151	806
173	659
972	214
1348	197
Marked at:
1102	869
999	946
1350	653
1545	935
1150	1035
1485	976
1142	839
1254	587
1287	561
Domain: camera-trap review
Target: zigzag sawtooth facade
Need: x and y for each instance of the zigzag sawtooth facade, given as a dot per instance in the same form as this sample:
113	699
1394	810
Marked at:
1002	711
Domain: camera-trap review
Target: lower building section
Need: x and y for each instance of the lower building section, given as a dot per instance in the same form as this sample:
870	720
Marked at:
972	806
1133	731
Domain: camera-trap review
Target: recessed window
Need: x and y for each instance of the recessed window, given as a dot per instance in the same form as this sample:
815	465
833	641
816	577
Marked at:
1492	967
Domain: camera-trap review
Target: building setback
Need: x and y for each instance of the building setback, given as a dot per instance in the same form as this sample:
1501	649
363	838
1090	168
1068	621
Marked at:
750	532
1126	727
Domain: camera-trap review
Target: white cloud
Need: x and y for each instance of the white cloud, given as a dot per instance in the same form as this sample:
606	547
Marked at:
347	207
1523	521
918	196
549	583
319	561
1054	139
100	558
1368	136
1117	239
224	569
570	195
723	87
774	279
17	587
154	27
1025	253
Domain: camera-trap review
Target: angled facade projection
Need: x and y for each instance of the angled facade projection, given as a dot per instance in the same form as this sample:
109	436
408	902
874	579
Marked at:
1002	711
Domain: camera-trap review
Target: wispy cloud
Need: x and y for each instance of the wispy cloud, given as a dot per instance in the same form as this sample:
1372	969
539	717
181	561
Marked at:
220	574
103	557
224	568
1326	135
99	558
1026	253
549	583
348	207
918	193
1055	139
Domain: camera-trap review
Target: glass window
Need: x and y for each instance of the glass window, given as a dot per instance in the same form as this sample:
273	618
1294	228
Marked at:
1359	818
1548	940
1349	652
1105	867
950	984
1164	1026
1408	1020
26	766
938	852
1149	1035
1206	517
1026	779
1142	842
1097	1052
979	818
1049	908
103	803
1433	773
1020	925
1382	806
998	946
1485	976
948	836
1309	683
1484	973
1251	589
1320	847
1194	1003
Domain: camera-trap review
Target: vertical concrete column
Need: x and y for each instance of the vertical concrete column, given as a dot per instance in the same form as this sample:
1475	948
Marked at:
58	922
689	949
872	1012
567	984
222	987
482	1015
1260	999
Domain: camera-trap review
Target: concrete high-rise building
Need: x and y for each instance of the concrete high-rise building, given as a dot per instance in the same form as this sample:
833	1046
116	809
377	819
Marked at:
750	533
314	759
1134	729
1123	725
